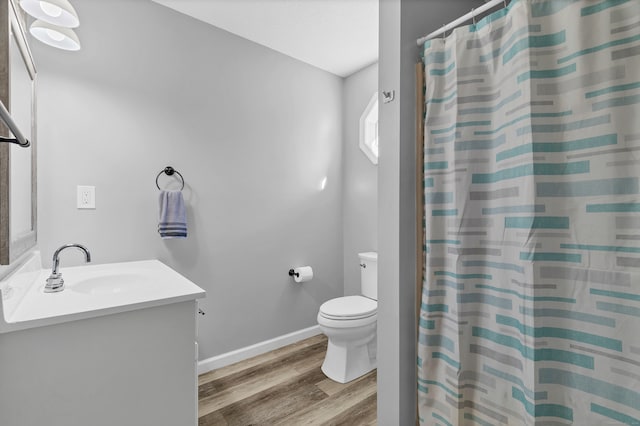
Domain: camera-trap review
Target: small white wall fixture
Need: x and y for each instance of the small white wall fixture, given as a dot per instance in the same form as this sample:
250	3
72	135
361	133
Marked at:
55	36
369	130
54	12
54	22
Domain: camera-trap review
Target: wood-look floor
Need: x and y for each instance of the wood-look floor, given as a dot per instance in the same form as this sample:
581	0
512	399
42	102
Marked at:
285	387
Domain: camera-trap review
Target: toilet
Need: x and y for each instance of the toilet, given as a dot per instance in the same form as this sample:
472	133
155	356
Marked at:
350	325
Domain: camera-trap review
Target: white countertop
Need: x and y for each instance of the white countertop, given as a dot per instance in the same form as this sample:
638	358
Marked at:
90	291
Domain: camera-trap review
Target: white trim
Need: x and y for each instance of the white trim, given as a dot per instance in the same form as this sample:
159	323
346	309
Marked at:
364	120
241	354
468	17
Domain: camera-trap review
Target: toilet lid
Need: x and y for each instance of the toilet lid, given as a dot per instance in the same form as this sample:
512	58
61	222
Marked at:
349	307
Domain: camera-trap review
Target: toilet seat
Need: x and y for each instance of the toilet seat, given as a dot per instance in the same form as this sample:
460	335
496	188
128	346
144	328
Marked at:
348	308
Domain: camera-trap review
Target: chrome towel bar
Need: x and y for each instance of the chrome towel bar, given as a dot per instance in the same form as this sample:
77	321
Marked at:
19	138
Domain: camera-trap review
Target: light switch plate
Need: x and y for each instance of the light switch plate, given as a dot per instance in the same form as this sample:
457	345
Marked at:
86	197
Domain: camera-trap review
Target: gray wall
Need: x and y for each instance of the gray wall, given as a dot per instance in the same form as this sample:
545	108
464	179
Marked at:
360	178
401	23
252	131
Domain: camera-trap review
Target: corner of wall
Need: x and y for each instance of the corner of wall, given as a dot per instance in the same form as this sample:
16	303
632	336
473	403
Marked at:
402	22
360	181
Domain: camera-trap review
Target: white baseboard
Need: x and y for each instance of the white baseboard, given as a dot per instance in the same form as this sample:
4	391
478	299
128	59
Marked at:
241	354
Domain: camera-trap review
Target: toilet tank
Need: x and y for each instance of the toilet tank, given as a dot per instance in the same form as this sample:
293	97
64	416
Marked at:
369	274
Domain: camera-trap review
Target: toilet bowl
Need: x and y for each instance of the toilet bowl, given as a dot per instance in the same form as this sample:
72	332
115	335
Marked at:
350	324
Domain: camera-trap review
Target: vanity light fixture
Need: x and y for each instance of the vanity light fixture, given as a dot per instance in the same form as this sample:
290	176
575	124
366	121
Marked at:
60	37
56	12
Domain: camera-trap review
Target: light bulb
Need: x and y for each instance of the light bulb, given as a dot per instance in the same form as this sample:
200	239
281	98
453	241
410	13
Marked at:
56	12
60	37
55	35
50	9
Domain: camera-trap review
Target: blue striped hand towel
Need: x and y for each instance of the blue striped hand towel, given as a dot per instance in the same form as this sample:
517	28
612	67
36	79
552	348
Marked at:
173	215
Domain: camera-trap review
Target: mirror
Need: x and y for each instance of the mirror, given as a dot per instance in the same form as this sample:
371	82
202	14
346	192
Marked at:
17	163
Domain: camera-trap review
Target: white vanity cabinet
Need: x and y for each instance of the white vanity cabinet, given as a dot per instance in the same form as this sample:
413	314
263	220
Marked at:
126	365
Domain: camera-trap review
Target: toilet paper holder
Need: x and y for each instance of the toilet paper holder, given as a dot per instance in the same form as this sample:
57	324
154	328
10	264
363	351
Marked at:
301	274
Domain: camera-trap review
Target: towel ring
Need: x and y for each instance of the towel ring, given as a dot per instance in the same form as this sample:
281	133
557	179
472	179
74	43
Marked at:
169	171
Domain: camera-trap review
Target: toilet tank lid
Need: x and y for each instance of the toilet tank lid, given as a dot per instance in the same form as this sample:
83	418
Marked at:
370	255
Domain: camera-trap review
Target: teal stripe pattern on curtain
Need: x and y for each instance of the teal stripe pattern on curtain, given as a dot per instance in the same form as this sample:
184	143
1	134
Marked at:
531	296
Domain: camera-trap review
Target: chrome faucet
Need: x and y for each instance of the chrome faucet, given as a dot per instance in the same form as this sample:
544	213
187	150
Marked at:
55	282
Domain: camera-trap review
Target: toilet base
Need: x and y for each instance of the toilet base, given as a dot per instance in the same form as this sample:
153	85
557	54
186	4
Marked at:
346	361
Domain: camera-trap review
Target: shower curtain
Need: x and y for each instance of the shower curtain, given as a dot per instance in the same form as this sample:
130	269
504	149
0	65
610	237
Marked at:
530	309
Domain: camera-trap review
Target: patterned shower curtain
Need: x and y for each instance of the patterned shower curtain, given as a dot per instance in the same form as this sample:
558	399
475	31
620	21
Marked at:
531	295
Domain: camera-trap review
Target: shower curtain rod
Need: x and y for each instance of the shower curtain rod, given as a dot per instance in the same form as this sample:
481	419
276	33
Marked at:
469	16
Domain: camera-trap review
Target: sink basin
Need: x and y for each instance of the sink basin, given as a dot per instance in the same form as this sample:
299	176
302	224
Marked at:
90	291
110	284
